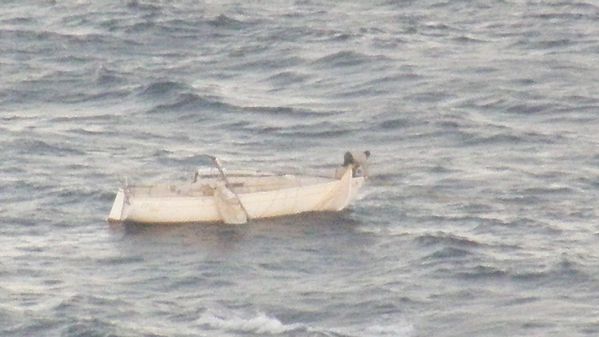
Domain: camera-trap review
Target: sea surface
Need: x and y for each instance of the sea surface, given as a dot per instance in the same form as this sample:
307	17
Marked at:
480	218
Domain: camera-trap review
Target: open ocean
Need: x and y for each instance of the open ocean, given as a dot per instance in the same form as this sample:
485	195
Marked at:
481	217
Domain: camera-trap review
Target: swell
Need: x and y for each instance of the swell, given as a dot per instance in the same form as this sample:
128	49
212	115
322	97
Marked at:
557	274
438	249
195	104
563	271
321	130
184	27
161	89
441	238
346	58
45	42
167	95
46	148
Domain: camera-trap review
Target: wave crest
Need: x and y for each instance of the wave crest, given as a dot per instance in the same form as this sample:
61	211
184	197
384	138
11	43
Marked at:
259	323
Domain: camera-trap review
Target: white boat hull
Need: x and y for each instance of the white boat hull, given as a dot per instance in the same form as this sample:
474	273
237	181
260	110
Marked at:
173	208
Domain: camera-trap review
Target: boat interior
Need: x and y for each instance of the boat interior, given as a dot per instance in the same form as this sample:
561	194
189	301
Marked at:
206	186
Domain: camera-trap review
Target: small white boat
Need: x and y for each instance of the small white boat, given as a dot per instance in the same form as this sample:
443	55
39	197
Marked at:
234	198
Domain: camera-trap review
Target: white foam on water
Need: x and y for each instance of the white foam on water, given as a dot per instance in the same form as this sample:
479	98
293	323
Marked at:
259	323
225	321
385	326
400	329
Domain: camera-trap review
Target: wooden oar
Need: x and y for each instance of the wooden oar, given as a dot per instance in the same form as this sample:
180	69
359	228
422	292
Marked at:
228	185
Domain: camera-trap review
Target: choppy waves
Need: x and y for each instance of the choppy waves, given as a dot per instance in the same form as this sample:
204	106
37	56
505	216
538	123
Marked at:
481	118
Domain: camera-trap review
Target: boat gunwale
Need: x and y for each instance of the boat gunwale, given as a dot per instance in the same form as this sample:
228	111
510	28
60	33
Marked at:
191	196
